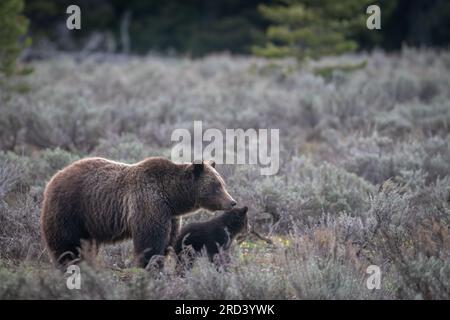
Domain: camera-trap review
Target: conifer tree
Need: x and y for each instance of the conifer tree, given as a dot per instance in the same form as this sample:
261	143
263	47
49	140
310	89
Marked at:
13	26
312	28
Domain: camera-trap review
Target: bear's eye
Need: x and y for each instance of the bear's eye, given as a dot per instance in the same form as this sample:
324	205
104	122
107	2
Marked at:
216	189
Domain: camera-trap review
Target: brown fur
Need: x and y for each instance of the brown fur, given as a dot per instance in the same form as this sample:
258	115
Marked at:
214	235
102	201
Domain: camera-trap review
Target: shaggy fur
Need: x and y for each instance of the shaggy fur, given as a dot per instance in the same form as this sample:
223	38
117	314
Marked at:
214	235
98	201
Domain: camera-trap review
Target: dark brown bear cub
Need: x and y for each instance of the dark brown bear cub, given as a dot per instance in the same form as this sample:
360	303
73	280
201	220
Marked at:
214	235
95	200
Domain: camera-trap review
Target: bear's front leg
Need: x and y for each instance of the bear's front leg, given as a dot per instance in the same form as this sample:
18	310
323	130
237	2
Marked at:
175	230
150	239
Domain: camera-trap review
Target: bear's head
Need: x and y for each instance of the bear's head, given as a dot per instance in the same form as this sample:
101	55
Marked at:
236	220
211	190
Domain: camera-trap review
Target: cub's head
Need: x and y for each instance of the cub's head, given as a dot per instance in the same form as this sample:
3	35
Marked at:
236	220
210	188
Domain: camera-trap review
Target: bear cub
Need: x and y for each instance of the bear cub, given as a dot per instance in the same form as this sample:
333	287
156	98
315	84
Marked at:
214	236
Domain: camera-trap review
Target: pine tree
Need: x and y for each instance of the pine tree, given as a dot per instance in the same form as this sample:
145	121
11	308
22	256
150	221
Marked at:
13	26
312	28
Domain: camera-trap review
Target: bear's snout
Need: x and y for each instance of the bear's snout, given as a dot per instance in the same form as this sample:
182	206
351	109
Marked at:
232	203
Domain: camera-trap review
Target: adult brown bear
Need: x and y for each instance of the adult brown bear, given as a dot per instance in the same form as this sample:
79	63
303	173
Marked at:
97	201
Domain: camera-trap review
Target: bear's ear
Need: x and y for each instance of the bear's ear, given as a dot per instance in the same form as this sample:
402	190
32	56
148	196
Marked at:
197	168
244	210
212	163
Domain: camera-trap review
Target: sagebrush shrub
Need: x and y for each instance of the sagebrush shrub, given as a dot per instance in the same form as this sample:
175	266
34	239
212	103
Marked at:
413	234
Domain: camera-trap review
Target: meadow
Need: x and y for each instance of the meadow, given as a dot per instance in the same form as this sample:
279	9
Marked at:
364	173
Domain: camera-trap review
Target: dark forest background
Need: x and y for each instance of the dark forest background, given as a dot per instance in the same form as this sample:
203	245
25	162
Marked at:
198	27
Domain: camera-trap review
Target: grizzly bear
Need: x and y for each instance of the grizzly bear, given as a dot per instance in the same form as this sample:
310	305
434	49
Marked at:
214	236
95	201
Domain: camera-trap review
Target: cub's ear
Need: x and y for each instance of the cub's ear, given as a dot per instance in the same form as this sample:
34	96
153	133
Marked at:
197	168
212	163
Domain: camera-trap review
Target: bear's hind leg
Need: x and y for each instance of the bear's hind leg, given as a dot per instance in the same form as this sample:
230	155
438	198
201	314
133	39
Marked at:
65	242
67	254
